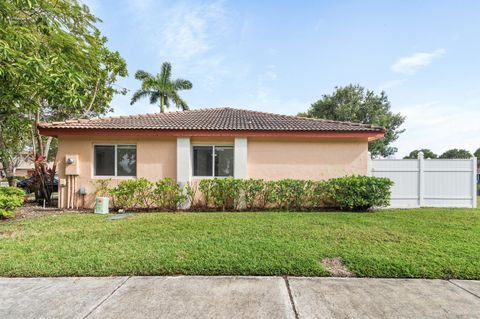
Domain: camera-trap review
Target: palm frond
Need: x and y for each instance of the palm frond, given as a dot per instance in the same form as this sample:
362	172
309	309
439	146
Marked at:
181	84
161	85
166	72
154	96
179	103
143	75
138	95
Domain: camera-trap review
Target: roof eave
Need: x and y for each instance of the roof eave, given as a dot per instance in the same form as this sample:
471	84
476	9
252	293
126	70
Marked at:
55	132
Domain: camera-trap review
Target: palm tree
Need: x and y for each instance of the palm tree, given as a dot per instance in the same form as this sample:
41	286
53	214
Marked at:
161	88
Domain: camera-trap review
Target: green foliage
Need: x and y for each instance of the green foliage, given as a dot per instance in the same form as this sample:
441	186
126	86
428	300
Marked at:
229	194
357	193
221	193
426	154
167	194
54	65
133	194
251	190
456	154
354	103
161	88
477	153
10	199
140	194
102	187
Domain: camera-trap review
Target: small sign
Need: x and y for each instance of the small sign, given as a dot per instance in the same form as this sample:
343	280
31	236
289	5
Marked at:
3	184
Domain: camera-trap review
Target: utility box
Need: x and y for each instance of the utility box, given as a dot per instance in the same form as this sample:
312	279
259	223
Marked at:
71	164
101	205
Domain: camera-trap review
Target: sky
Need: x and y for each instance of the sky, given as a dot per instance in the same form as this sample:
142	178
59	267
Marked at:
281	56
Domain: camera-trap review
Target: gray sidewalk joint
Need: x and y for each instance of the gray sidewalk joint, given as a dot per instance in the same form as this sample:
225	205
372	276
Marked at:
107	297
290	295
463	288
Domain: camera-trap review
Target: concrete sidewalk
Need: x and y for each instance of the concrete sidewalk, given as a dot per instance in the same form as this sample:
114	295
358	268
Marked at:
237	297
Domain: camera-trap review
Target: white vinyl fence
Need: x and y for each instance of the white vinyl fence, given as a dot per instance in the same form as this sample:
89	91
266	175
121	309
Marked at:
429	182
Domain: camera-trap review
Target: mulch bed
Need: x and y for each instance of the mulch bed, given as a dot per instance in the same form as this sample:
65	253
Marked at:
33	210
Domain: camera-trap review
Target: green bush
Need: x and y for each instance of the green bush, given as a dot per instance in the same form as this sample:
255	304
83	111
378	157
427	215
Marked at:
251	190
167	194
356	193
10	199
221	193
133	194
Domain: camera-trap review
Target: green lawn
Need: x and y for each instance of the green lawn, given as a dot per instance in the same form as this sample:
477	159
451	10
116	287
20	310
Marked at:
431	243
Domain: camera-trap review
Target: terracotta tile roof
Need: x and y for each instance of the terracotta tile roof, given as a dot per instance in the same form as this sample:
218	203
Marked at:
215	119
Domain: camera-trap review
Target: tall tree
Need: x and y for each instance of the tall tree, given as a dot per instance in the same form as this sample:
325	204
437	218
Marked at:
54	65
426	154
477	153
354	103
456	153
161	88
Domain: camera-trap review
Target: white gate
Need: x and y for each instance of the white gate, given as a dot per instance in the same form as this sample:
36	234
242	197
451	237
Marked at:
429	182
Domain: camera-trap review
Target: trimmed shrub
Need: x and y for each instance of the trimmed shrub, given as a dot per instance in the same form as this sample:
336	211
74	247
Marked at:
221	193
251	190
10	199
167	194
133	194
356	193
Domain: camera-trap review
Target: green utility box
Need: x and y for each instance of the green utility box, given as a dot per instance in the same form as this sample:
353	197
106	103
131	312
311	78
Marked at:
101	205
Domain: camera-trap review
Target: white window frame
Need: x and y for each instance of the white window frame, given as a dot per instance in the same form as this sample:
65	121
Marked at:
213	161
115	164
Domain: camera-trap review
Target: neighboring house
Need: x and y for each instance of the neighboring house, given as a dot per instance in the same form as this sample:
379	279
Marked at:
25	167
205	143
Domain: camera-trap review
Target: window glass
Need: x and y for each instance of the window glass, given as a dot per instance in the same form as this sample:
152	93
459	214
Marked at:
223	161
202	160
126	160
104	160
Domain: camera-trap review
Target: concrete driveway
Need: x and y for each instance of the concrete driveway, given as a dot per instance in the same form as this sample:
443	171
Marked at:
237	297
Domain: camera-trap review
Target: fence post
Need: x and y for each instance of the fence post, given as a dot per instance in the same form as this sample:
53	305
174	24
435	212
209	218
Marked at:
474	182
369	164
421	179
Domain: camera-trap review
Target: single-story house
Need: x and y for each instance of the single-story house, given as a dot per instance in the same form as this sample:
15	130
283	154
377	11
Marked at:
205	143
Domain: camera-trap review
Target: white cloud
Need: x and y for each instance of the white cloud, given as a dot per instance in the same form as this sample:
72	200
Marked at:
411	64
271	74
191	31
390	84
182	31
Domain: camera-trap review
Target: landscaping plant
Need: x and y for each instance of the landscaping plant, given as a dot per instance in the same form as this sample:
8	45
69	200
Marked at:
356	193
167	194
10	199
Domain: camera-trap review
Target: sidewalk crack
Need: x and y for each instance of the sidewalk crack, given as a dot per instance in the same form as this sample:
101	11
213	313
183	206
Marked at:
107	297
290	295
457	285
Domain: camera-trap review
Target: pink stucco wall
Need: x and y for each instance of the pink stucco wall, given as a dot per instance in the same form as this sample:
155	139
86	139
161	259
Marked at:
268	158
314	159
156	159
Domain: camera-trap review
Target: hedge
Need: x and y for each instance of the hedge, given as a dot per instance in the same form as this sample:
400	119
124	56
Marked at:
355	193
10	199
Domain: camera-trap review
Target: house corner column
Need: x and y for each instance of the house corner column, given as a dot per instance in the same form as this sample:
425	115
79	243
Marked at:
183	160
183	165
240	161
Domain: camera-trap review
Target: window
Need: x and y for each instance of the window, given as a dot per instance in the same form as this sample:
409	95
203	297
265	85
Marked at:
115	160
215	161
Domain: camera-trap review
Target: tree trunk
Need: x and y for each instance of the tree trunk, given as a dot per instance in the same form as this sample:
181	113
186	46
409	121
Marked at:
9	172
46	150
162	102
38	138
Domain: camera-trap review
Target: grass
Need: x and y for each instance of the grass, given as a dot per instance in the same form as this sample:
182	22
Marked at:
426	243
